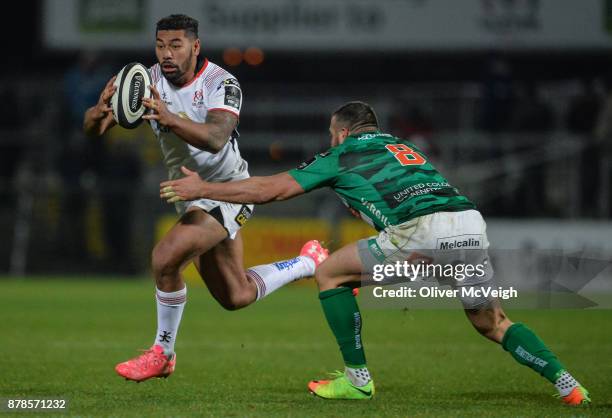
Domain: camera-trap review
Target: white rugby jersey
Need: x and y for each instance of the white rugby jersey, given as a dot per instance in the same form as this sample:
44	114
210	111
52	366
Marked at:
212	88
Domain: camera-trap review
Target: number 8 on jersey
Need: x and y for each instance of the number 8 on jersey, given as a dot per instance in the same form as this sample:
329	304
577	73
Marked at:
405	155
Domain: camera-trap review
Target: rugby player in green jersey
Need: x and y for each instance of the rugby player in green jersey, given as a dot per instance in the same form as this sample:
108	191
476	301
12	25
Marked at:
390	184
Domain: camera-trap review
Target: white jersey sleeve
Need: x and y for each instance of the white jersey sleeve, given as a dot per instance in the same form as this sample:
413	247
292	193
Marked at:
225	94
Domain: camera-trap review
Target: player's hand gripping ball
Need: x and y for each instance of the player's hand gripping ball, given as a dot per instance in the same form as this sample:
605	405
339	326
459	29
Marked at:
133	84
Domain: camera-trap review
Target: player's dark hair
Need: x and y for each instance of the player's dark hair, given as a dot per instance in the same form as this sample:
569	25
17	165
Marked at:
356	115
179	22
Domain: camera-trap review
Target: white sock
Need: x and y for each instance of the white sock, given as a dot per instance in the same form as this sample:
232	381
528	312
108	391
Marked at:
270	277
358	377
565	383
169	312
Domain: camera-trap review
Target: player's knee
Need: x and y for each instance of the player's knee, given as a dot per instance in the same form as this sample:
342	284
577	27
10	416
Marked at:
323	279
492	327
229	305
235	301
485	328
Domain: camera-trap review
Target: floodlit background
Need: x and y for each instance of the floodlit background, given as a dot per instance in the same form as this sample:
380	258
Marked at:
509	98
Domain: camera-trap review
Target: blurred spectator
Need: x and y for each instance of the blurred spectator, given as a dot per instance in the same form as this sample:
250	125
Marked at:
495	116
12	144
76	163
10	116
583	110
533	114
12	150
603	137
533	119
498	98
95	167
413	123
581	119
119	179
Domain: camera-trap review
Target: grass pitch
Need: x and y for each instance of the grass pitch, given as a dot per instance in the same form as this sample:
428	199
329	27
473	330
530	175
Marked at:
61	339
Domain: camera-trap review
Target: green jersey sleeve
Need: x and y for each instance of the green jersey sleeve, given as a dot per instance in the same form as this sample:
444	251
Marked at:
319	171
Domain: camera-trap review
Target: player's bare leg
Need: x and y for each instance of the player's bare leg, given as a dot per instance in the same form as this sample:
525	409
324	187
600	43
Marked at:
490	321
335	278
199	237
343	266
528	349
222	270
194	233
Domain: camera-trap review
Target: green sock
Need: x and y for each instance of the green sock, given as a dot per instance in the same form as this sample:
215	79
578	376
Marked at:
529	350
344	319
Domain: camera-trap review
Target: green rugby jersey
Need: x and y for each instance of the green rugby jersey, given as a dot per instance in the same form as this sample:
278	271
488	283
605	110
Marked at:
388	180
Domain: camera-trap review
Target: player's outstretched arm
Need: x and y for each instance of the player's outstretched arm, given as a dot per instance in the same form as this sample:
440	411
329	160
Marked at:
209	136
256	190
99	118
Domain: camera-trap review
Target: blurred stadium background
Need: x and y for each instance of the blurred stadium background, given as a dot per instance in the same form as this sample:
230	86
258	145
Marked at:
512	99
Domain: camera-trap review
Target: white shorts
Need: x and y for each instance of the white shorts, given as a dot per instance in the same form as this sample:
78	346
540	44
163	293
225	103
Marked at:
231	215
437	239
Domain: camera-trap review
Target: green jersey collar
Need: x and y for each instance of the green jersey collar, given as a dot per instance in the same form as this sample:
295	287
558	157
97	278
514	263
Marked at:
364	135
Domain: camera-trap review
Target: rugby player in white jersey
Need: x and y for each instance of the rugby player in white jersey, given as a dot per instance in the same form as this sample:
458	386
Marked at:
194	112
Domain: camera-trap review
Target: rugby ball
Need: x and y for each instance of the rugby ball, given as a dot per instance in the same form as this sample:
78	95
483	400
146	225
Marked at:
133	84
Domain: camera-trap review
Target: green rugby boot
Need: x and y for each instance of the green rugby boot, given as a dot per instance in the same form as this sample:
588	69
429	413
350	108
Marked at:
339	387
579	396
